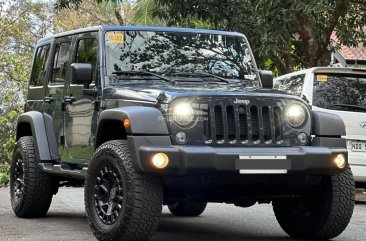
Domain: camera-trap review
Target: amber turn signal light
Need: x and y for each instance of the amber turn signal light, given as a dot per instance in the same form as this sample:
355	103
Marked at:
126	123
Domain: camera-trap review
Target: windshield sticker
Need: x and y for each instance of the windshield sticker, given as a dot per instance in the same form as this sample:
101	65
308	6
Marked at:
322	78
115	38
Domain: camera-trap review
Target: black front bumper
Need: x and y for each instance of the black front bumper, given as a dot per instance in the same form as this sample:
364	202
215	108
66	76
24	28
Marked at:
184	160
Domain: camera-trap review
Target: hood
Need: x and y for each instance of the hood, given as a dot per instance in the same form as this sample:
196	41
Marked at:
167	93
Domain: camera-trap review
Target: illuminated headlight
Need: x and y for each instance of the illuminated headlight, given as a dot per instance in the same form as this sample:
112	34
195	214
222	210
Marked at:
296	115
183	114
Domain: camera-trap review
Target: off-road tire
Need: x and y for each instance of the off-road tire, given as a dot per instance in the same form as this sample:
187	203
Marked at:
187	209
38	187
331	208
142	196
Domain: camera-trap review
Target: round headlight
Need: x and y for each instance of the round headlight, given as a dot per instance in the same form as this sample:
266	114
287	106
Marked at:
183	114
296	115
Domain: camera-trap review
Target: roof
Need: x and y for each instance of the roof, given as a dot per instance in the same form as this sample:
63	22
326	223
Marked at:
141	28
327	70
349	53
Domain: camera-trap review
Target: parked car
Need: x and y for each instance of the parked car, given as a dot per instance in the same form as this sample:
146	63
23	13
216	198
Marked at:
340	91
148	116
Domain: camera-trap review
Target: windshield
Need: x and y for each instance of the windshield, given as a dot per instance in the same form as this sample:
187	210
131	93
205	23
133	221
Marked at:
340	92
166	53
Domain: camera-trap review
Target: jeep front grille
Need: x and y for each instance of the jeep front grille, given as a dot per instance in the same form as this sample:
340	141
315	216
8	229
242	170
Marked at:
243	124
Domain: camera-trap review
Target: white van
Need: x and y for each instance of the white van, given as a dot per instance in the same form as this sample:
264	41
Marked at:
341	91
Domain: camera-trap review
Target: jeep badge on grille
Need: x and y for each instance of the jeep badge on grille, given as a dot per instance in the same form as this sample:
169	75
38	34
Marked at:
241	101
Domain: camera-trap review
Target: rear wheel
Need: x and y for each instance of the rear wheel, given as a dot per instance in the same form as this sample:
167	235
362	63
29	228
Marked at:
323	213
187	209
31	190
121	204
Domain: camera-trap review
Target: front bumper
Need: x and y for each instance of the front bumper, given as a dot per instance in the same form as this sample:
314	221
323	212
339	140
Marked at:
184	160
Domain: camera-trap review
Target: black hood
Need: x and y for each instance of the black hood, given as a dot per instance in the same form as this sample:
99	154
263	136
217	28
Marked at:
167	93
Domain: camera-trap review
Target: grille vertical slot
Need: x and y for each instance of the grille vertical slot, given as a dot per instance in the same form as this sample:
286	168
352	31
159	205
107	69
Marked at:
207	124
219	122
277	123
231	128
254	122
266	124
243	123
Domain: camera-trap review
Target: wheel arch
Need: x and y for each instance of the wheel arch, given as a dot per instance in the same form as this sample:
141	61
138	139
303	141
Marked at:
327	124
36	124
143	121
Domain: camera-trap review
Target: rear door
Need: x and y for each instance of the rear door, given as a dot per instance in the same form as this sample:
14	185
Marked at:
38	78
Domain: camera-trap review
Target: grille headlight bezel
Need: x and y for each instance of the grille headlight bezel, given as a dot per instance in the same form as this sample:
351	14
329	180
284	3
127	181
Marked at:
296	115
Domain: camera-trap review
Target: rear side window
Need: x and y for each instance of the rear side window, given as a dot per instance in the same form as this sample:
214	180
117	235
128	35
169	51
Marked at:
87	53
344	92
292	84
61	63
38	76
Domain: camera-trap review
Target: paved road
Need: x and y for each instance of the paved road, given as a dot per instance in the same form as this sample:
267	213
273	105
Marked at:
66	221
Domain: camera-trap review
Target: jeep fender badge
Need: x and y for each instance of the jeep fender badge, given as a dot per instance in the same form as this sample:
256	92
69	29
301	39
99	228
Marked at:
363	124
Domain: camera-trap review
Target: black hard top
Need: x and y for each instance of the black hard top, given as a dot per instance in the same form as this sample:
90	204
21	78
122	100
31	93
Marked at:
139	28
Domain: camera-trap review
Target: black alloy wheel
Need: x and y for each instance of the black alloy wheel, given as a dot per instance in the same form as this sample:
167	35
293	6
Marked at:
108	194
18	189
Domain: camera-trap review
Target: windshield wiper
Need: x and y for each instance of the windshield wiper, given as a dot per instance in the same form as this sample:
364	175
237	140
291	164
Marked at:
140	73
357	107
198	75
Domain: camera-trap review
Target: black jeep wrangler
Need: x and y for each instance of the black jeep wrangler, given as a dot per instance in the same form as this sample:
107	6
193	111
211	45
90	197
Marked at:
145	117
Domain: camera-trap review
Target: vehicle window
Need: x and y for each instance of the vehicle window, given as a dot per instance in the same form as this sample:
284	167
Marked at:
87	53
61	63
166	53
292	84
38	76
340	92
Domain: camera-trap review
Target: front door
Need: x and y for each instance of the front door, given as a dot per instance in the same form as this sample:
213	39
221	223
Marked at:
81	114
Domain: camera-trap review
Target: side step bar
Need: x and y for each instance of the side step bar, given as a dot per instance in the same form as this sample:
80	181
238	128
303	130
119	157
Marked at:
63	170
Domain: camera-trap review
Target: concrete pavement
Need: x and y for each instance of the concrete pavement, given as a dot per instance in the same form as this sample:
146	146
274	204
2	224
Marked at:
66	221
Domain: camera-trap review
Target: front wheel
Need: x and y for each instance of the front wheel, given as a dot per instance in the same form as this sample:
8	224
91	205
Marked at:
323	213
121	204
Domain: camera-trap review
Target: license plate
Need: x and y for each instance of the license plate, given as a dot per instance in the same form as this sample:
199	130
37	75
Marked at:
358	146
263	164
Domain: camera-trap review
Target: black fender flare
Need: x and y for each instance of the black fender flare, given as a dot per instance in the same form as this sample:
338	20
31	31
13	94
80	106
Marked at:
327	124
143	120
45	141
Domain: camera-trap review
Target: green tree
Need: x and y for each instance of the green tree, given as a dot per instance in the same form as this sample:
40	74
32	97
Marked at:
286	34
100	10
21	24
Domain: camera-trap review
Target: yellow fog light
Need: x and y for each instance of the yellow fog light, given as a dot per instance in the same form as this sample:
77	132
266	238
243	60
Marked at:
160	160
340	161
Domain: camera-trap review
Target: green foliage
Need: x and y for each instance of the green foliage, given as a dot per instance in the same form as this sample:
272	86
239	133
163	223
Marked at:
291	33
142	14
18	34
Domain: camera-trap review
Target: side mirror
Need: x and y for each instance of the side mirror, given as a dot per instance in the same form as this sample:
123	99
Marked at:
81	74
266	78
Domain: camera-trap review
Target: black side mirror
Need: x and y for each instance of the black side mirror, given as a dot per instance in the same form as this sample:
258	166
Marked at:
81	74
266	78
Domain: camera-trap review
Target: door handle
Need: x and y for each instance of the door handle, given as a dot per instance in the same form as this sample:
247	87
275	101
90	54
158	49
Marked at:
48	99
69	99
